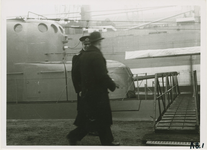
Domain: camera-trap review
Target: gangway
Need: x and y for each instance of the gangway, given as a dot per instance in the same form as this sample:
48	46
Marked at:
177	118
177	112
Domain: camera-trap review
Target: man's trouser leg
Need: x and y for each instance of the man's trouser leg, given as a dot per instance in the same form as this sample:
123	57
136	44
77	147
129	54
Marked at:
77	135
105	135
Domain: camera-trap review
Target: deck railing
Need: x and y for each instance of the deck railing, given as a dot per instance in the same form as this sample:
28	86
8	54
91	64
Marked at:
166	89
196	98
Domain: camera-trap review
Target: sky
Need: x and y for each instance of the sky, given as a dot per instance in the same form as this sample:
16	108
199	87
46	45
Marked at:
21	7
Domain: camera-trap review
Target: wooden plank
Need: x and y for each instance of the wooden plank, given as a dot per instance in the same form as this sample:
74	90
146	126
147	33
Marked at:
189	110
162	128
190	118
179	118
189	128
178	121
176	124
180	115
167	118
175	128
163	124
189	124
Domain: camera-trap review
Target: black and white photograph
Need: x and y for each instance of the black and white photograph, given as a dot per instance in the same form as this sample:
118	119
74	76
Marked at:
103	74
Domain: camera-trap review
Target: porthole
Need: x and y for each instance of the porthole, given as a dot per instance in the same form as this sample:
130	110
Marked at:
54	28
18	28
42	27
61	29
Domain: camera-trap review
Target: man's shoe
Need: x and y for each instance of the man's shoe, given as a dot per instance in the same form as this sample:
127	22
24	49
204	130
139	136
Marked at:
72	141
114	143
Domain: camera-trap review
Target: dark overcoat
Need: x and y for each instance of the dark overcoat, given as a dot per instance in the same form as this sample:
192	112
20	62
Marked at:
75	74
95	83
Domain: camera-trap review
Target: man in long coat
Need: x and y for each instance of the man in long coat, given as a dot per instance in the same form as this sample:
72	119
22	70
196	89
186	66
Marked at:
75	73
95	104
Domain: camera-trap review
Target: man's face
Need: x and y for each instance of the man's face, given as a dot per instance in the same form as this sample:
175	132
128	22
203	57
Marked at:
99	45
85	46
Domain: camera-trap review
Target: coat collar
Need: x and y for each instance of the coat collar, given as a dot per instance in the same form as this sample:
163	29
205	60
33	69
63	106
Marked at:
82	51
92	48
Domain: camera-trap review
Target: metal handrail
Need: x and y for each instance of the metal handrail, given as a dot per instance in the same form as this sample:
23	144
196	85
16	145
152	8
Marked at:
166	94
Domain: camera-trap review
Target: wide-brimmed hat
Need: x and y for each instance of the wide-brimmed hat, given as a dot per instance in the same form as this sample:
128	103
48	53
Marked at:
95	36
85	39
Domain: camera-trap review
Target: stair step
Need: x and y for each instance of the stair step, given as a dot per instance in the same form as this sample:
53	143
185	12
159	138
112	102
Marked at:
180	115
175	128
173	110
184	121
176	124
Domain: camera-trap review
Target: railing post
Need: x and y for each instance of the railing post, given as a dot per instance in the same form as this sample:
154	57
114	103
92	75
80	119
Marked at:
15	80
177	87
171	94
163	89
173	86
146	93
145	88
137	86
168	93
166	88
195	94
159	94
155	98
176	83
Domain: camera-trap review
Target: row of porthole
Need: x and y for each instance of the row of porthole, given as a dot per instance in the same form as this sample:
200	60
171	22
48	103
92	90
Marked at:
41	27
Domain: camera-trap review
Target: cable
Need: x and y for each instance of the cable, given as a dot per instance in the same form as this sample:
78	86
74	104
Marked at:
95	20
79	40
136	10
126	11
132	8
154	28
113	10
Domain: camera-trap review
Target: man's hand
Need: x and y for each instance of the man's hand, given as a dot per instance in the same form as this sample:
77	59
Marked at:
117	85
80	93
